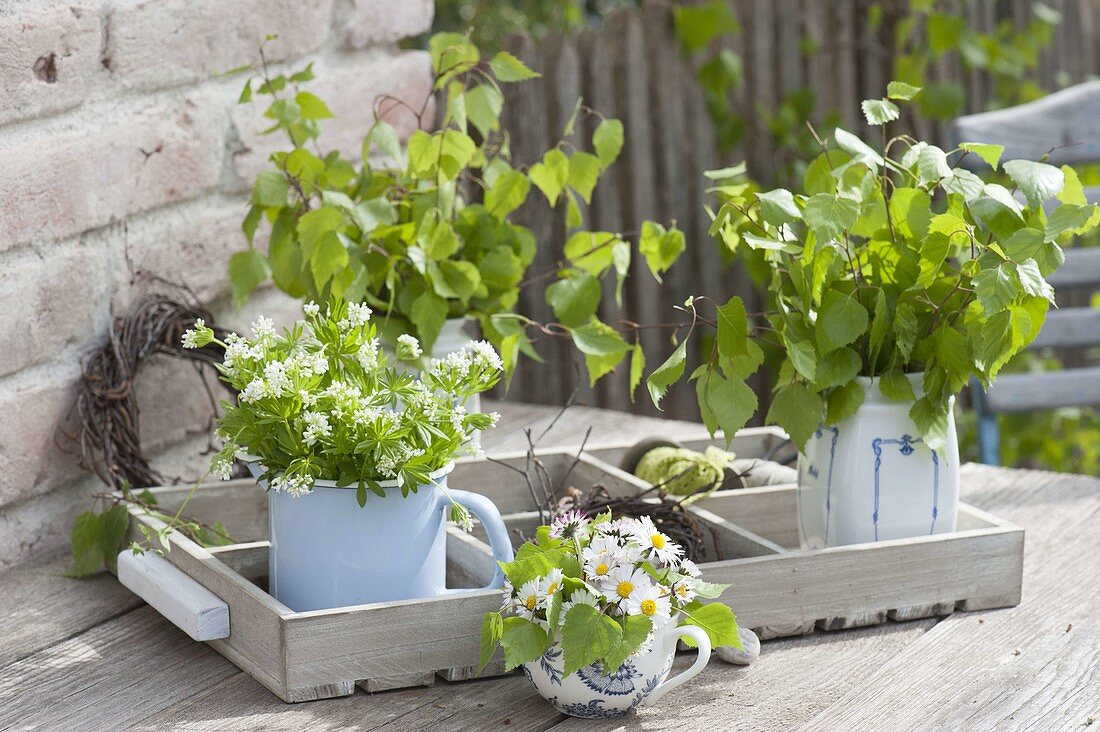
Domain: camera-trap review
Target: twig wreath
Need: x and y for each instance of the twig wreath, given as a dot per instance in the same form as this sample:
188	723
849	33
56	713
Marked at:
107	441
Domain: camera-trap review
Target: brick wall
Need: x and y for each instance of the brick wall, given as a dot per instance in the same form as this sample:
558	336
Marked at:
123	152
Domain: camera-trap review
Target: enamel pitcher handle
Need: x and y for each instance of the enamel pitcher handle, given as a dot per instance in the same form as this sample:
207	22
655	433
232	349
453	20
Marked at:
701	639
486	512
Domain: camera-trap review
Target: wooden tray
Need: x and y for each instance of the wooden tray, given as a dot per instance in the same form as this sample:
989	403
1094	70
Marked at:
218	595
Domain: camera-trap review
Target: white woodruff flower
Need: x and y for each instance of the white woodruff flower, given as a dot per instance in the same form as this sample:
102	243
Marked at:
311	309
368	355
278	383
408	348
317	426
485	354
359	314
263	328
295	485
255	391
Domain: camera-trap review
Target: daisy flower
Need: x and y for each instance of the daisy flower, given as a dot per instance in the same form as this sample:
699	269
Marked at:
527	602
690	568
598	562
548	585
579	597
623	582
656	545
651	601
568	525
683	592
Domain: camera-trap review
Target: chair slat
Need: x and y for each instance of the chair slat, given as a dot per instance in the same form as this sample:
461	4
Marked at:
1070	327
1067	118
1049	390
1082	268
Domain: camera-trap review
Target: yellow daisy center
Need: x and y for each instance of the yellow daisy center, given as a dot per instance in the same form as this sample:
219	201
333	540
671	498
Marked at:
601	569
530	602
552	588
624	589
682	590
658	541
649	607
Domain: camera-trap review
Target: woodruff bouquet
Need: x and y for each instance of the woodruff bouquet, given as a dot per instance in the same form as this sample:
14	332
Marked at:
600	588
322	401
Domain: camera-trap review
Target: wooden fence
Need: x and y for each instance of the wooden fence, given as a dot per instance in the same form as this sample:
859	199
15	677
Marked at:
632	68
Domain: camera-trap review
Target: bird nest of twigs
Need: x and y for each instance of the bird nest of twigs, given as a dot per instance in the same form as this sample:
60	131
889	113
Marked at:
104	433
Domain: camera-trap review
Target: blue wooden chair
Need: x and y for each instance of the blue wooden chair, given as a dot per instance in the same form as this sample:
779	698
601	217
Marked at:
1069	118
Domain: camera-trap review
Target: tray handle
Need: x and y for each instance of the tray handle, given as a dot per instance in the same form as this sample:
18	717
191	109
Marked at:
192	608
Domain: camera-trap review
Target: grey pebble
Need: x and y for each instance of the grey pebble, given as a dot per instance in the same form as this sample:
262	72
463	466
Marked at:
742	657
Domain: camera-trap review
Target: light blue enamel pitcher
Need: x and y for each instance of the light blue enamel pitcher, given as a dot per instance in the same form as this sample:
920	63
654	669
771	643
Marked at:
327	551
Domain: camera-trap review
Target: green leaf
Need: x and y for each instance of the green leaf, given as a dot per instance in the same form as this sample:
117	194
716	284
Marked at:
587	636
574	298
637	367
911	211
719	623
880	111
484	104
836	369
551	174
508	68
312	107
778	207
602	346
896	386
584	171
428	313
456	279
932	165
902	91
87	543
449	51
507	194
798	410
608	140
996	287
931	419
880	326
328	259
988	152
860	150
906	329
1032	282
591	250
840	320
944	31
733	328
725	404
829	216
1069	218
660	247
697	25
523	641
247	270
667	374
385	137
251	221
492	630
802	355
313	225
843	402
1038	181
635	629
270	189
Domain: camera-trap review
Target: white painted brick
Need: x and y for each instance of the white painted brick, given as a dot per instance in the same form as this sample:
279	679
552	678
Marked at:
34	402
188	244
43	522
49	57
350	88
160	43
385	21
53	298
81	172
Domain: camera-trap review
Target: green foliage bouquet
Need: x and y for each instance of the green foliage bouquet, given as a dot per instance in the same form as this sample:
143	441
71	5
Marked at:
427	236
600	588
895	261
322	401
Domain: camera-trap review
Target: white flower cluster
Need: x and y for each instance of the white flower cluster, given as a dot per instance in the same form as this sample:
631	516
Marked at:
326	384
408	348
629	566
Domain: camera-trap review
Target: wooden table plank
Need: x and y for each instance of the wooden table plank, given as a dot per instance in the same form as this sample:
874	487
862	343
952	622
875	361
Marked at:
40	607
114	674
1035	666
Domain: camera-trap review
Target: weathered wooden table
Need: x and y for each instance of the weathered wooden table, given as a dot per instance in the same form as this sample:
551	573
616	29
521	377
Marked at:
88	655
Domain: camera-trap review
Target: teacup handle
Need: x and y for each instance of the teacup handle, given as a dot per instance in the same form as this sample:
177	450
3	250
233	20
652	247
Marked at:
701	638
489	516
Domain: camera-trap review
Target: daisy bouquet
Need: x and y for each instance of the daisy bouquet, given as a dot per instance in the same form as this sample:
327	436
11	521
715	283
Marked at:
322	401
599	588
